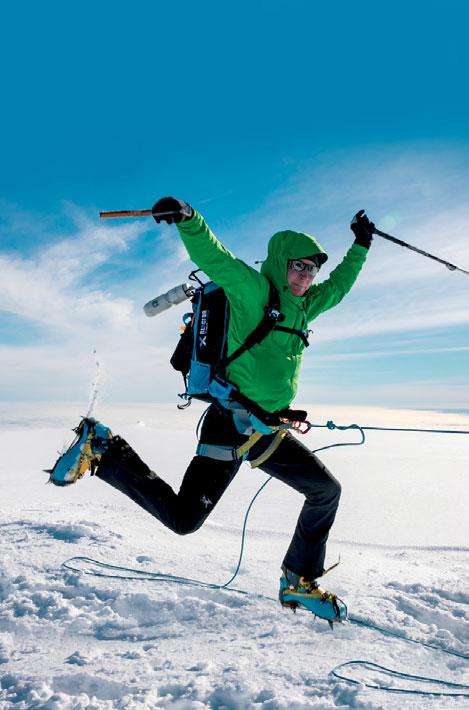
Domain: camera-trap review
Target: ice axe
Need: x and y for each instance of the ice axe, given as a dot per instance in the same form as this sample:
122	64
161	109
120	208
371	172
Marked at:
395	240
133	213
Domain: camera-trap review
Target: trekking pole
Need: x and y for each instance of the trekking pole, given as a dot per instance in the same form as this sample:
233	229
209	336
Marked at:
448	265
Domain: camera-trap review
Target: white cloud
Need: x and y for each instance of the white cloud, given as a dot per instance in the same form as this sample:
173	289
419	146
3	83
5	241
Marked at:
130	370
376	354
54	288
414	312
417	196
61	288
421	394
412	190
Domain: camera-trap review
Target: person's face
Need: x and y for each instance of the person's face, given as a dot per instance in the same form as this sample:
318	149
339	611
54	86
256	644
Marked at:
299	278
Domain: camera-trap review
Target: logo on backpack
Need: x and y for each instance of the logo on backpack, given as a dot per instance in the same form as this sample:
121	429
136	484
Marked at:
204	317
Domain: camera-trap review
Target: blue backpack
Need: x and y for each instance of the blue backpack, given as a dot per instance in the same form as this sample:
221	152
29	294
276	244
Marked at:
201	353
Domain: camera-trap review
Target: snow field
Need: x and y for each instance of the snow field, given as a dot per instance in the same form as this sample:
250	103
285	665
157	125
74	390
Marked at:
70	640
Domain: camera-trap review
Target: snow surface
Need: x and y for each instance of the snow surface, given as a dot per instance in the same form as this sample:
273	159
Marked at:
71	640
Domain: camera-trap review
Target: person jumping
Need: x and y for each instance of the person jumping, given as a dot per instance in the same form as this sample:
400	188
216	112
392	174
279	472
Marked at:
265	376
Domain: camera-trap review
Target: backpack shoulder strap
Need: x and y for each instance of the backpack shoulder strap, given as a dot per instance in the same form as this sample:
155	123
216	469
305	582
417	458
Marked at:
271	317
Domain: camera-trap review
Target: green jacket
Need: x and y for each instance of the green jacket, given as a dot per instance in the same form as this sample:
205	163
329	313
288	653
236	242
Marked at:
268	373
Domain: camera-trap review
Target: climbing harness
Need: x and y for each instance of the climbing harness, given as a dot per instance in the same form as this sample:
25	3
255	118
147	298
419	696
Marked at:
246	422
240	453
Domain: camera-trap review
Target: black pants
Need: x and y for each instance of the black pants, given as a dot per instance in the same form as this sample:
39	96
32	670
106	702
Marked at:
206	480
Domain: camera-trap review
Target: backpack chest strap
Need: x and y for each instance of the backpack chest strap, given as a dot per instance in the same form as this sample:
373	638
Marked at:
271	317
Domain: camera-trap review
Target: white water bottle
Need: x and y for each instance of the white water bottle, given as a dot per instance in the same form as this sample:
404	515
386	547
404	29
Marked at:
175	295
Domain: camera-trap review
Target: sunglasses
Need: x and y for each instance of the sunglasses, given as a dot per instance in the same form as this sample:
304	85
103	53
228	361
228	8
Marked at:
297	265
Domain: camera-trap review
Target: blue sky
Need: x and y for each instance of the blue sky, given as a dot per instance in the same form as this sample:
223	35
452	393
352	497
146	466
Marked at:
263	115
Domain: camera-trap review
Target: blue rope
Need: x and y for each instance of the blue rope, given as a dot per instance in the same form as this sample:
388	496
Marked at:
71	564
135	574
403	676
161	577
330	425
396	634
243	534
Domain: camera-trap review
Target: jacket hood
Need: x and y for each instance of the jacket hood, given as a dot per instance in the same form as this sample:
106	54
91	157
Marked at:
284	246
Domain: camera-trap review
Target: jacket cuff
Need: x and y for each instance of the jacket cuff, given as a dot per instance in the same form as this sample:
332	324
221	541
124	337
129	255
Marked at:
357	242
188	225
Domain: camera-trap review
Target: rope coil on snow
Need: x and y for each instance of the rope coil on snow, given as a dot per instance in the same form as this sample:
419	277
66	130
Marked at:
403	676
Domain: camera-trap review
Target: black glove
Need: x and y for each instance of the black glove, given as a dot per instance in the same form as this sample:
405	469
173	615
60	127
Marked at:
363	229
170	210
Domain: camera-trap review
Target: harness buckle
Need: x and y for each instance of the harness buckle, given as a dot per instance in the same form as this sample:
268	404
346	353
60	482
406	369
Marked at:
274	314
